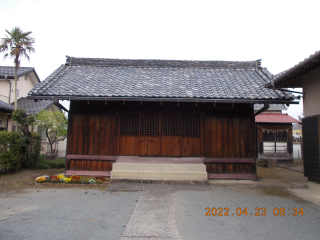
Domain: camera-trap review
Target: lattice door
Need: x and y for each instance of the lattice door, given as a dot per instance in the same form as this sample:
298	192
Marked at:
150	127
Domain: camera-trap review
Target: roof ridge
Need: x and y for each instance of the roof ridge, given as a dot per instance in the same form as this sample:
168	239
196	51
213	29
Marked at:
112	62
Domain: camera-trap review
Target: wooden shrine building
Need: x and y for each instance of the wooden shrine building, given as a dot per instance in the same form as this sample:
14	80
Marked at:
274	136
163	112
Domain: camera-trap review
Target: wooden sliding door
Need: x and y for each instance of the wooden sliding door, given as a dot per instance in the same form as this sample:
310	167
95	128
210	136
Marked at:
170	135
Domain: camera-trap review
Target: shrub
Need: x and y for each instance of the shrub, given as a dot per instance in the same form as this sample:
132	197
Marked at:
42	157
12	145
61	165
32	153
57	163
42	166
17	150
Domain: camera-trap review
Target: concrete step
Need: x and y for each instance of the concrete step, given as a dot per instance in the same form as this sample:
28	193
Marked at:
161	160
152	171
159	167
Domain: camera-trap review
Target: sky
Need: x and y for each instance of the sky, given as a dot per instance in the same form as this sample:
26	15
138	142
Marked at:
281	33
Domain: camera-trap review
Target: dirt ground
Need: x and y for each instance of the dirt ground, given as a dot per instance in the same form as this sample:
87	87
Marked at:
24	179
280	174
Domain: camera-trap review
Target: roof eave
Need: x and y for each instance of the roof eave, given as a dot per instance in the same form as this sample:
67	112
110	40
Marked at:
295	73
148	99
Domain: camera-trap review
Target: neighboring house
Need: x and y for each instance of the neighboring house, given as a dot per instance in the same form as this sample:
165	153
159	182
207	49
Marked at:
181	112
297	132
27	79
5	108
274	136
306	75
32	108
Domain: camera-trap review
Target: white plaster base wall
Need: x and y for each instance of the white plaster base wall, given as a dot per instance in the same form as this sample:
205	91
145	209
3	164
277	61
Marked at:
297	151
311	93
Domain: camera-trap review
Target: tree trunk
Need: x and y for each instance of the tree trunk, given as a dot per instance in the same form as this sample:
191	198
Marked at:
16	61
50	142
51	149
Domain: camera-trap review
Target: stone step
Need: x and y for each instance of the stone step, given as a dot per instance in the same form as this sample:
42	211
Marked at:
152	171
159	167
161	160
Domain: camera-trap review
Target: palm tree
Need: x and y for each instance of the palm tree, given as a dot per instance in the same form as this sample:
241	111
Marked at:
17	44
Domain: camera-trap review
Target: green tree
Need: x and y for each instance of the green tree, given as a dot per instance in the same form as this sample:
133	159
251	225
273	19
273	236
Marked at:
17	44
20	117
55	124
29	150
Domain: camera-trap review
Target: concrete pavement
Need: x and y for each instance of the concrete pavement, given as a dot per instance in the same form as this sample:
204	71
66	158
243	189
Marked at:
158	211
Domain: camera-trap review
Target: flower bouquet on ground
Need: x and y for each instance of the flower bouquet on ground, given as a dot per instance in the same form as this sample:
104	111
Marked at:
73	179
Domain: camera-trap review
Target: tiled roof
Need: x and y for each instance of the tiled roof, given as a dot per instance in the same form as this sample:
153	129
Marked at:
275	118
272	107
6	107
82	77
8	72
33	107
290	78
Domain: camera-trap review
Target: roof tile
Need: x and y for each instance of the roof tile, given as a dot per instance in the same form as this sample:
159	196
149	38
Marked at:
158	78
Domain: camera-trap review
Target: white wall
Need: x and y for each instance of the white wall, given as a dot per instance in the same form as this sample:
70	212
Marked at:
311	93
296	151
24	85
4	90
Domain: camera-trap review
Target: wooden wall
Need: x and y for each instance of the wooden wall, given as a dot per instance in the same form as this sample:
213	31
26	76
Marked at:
226	141
229	147
229	137
92	135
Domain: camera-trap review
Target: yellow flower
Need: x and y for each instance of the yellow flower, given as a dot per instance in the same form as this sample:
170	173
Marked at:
40	179
67	180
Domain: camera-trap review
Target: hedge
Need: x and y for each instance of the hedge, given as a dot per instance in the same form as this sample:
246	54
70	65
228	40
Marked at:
17	150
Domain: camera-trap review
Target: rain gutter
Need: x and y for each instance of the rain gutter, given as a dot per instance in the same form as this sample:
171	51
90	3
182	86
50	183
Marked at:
150	99
9	89
56	102
264	108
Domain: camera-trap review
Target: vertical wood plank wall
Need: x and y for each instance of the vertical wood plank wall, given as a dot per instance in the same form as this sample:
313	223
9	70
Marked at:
229	145
226	142
91	135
